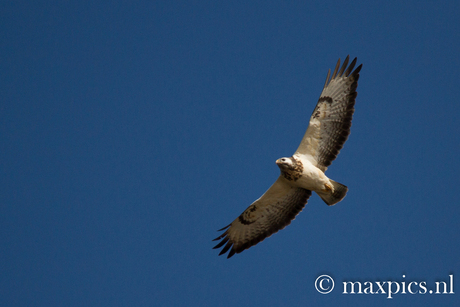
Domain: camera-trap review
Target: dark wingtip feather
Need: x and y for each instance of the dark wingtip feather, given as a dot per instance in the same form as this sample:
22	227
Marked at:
327	78
221	236
350	68
231	253
221	243
344	65
225	227
224	234
336	69
357	70
225	239
226	248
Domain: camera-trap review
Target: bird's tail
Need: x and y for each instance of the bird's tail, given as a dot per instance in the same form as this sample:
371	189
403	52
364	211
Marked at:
331	198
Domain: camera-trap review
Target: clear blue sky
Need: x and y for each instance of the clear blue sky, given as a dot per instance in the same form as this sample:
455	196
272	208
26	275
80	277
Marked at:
131	131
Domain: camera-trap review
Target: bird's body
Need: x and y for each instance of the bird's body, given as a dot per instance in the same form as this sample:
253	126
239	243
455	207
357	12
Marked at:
307	176
300	172
304	172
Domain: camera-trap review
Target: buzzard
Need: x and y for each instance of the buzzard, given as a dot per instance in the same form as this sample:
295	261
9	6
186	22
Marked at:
302	173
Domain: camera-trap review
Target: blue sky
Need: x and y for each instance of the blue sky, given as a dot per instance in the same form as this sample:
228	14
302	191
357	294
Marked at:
132	131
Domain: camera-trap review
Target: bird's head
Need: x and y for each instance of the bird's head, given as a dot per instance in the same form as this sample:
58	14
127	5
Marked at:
290	168
286	164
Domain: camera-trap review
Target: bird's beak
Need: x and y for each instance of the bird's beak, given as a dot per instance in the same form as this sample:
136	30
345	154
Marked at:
278	162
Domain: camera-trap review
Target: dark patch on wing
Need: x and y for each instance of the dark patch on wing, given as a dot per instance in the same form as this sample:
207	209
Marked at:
247	217
317	112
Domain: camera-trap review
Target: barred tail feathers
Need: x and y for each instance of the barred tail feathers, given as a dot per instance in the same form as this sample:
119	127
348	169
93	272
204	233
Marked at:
331	198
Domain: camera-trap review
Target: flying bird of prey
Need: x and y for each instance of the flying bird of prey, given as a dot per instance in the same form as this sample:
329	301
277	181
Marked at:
302	173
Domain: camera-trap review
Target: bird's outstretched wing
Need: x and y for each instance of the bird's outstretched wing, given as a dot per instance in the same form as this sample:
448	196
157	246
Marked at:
331	119
270	213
